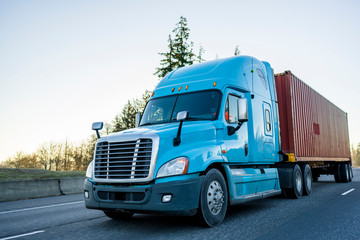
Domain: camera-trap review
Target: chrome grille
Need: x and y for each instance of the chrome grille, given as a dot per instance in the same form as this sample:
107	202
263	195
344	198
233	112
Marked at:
123	160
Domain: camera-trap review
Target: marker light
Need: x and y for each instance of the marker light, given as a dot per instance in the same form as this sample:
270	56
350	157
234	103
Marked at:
152	94
186	87
179	89
173	89
214	84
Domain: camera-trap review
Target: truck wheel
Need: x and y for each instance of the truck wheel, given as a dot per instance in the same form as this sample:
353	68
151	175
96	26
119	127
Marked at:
213	198
351	176
118	214
337	173
344	173
307	179
297	189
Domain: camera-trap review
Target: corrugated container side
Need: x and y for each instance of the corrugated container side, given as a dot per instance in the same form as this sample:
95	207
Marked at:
312	128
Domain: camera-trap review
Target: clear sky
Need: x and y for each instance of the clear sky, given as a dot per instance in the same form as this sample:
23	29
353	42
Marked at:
66	64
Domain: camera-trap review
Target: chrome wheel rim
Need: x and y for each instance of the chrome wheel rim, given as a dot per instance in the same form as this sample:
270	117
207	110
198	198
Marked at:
215	197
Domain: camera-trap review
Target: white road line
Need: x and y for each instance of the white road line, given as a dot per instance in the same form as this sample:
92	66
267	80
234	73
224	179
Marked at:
22	235
348	191
48	206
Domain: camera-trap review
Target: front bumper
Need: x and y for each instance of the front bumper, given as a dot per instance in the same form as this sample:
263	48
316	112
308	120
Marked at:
185	197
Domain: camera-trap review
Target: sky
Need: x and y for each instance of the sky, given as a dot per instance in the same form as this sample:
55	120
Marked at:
66	64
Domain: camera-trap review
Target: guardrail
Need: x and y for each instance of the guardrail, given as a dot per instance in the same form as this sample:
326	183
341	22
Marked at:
17	190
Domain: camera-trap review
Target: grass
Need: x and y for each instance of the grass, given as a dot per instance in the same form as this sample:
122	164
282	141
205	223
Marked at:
17	174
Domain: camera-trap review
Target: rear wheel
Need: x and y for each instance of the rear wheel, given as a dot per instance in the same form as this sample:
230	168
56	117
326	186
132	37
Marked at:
297	190
344	173
337	173
351	176
213	198
307	179
118	214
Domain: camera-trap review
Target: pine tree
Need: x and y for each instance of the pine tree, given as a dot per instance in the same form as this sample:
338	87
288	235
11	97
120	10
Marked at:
180	50
200	58
237	51
168	63
126	119
183	48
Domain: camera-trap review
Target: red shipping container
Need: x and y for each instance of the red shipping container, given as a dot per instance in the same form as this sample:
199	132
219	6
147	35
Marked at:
312	128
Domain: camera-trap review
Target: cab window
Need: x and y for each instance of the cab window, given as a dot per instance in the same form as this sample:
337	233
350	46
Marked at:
231	109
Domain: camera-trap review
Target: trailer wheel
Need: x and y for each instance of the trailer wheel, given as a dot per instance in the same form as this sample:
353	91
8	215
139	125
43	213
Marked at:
351	176
337	173
344	173
213	198
307	179
118	214
297	190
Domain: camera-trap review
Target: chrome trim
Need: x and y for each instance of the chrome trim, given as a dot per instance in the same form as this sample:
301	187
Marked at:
125	138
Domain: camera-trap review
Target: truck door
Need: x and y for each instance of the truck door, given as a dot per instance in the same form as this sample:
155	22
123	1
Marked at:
235	145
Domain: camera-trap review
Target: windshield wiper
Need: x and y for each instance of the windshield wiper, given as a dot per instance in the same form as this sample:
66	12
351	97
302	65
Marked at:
146	124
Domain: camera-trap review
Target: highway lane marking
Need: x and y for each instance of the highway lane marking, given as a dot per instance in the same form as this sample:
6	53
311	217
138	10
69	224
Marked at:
35	208
23	235
343	194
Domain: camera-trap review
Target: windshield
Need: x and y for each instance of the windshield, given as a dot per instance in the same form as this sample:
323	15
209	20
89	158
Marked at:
200	105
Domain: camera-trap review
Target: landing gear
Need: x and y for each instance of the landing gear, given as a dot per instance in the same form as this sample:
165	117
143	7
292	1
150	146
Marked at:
213	198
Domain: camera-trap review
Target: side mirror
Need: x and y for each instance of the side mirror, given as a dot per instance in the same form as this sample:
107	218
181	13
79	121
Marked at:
97	126
181	116
137	119
242	110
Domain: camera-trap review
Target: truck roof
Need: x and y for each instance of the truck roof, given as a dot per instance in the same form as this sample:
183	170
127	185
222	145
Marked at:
232	72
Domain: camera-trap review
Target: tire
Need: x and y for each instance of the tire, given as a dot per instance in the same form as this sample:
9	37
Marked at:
337	173
351	176
307	179
297	190
344	173
213	198
118	214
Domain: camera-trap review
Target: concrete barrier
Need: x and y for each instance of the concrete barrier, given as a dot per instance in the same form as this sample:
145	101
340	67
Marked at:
71	185
17	190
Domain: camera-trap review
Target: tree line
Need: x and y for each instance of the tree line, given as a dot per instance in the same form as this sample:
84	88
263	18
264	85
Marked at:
355	154
67	156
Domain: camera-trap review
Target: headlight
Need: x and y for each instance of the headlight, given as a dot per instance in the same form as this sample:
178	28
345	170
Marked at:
176	166
89	170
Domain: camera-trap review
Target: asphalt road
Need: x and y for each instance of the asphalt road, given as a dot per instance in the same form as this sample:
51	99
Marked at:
327	213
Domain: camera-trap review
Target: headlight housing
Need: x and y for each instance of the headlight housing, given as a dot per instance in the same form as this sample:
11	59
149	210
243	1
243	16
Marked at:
89	170
176	166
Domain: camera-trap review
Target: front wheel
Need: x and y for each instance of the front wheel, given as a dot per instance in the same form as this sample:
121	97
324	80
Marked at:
213	198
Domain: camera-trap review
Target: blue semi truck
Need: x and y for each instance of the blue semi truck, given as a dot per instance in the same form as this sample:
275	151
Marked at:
209	137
